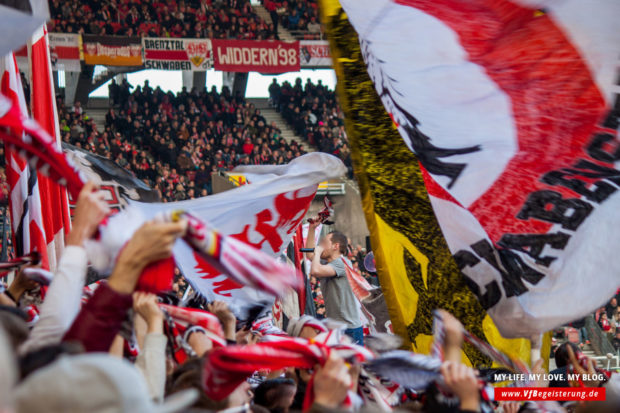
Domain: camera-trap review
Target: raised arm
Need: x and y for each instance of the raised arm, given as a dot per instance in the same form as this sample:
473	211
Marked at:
319	270
101	317
310	241
63	298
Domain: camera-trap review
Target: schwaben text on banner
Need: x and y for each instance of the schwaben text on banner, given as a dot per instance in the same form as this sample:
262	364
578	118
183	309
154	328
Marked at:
177	54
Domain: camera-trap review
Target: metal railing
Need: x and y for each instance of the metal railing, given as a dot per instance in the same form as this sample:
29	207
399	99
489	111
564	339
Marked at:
598	339
306	35
331	188
605	361
325	188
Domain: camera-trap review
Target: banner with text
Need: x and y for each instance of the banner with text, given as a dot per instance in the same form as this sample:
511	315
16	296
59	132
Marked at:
112	50
524	187
256	56
313	53
64	53
178	54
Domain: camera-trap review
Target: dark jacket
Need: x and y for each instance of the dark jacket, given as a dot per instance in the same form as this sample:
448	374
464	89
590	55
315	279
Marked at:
100	319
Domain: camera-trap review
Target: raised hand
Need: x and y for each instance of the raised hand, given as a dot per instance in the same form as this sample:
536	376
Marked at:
146	305
461	381
331	382
152	242
90	210
227	318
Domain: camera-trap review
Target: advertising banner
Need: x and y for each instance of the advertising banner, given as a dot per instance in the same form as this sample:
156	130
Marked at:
112	50
314	53
64	53
256	56
178	54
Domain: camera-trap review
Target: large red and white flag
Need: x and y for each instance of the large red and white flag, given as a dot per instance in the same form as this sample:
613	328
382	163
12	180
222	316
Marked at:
24	201
264	214
54	200
512	108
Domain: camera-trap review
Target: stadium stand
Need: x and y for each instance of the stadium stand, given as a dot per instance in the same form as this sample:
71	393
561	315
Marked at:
299	18
230	19
174	142
313	112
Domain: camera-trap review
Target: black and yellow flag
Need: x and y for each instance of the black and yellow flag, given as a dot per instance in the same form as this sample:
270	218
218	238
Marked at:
415	267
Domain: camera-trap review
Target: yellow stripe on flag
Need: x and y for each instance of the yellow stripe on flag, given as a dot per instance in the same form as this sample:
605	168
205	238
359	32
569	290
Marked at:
415	266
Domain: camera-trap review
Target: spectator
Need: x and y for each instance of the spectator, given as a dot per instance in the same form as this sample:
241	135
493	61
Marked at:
616	341
329	266
580	326
276	394
562	361
611	307
180	138
313	112
293	20
299	16
193	19
604	323
314	26
272	8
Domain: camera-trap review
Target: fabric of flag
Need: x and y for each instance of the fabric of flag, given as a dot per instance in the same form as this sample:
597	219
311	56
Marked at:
24	201
511	108
34	145
298	259
371	301
264	214
18	20
54	199
415	266
118	183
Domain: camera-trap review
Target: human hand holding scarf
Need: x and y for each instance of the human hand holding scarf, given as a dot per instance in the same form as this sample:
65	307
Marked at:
152	242
331	382
90	210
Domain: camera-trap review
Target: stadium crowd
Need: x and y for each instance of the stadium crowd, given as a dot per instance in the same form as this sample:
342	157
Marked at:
313	111
608	319
296	16
122	350
128	350
174	142
229	19
602	325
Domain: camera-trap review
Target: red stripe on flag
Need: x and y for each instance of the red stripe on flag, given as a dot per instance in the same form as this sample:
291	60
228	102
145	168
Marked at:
54	200
25	209
166	55
299	259
67	52
23	52
555	102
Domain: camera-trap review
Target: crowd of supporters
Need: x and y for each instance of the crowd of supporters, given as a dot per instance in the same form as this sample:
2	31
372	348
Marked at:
112	347
296	16
174	142
608	319
115	348
313	111
591	332
215	19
